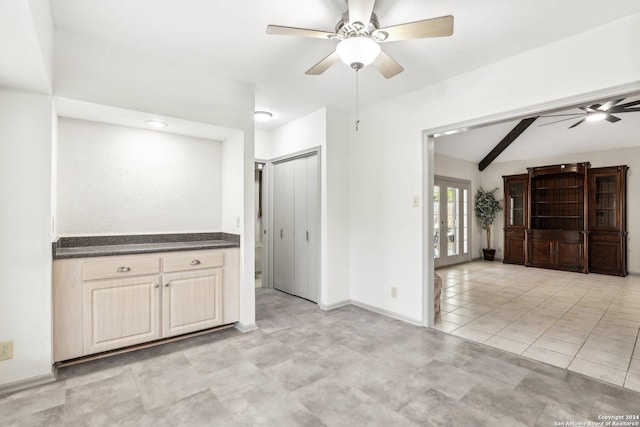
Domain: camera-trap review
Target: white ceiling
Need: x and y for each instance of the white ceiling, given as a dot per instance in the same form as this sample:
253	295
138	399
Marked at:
228	39
539	141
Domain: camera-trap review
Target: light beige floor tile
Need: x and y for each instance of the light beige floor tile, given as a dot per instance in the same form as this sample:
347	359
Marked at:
604	358
468	312
456	318
564	347
632	381
472	334
624	348
506	344
445	326
455	301
548	356
634	366
595	370
489	326
518	335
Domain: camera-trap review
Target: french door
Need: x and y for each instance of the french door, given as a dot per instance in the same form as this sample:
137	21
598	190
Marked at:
451	226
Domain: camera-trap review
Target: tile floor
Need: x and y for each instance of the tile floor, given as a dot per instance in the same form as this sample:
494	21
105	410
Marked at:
586	323
307	367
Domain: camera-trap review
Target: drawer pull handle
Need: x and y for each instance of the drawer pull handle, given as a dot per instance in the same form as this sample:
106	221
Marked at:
156	286
195	262
124	269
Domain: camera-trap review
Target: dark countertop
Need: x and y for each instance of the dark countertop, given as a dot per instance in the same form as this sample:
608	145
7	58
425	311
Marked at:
96	246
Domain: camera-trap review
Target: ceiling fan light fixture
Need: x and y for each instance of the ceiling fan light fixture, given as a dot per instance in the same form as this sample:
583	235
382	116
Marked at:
596	116
358	52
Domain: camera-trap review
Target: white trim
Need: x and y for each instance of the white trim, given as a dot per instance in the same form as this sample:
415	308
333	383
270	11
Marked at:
244	328
388	313
328	307
28	383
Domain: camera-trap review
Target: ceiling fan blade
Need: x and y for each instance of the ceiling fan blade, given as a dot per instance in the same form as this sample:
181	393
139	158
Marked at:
607	105
436	27
557	121
612	119
360	11
279	30
323	65
624	107
387	66
577	123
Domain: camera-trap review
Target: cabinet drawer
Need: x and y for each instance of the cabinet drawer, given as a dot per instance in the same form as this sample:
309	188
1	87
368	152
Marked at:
122	268
192	261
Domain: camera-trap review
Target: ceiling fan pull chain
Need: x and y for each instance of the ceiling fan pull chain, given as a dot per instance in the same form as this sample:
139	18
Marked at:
357	100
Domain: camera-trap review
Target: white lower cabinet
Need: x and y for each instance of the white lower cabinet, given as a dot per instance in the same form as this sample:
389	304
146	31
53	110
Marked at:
191	301
122	301
120	313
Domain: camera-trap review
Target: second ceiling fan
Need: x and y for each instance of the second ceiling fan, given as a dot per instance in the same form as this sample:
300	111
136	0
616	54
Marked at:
360	35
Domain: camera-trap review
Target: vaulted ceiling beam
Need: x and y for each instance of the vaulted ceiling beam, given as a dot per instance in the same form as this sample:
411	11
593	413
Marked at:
506	141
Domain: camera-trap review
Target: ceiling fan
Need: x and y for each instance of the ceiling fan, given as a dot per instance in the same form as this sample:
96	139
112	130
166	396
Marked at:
360	35
597	112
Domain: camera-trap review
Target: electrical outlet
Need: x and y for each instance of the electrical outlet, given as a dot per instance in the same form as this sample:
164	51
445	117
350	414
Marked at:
416	201
394	292
6	350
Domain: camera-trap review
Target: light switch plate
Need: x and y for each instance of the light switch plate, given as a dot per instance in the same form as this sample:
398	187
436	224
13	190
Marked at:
416	201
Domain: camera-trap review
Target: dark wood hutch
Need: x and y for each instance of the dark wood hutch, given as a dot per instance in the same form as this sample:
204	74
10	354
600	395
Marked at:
567	217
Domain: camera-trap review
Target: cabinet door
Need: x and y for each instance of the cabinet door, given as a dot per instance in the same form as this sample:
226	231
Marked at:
570	255
542	252
606	253
191	301
305	235
283	211
514	246
120	312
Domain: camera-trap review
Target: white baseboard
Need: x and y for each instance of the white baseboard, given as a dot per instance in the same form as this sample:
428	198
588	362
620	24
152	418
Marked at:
387	313
327	307
28	383
244	328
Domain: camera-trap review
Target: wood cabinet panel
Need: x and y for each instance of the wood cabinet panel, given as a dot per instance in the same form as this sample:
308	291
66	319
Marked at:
514	243
192	301
192	261
120	312
541	253
122	267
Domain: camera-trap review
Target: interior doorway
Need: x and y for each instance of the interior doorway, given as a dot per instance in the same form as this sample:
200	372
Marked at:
451	223
259	216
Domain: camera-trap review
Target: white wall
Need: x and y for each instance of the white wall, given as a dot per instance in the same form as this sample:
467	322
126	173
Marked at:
335	209
262	145
26	123
306	132
446	166
120	180
232	185
386	155
492	177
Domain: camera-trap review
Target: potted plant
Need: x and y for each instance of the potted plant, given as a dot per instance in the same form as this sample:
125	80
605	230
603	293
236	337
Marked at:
487	207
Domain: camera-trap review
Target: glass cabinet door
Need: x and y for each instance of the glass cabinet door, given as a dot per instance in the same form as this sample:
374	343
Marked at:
516	204
604	208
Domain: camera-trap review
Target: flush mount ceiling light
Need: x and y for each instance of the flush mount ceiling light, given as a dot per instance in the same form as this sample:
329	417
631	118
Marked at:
262	116
358	52
156	124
